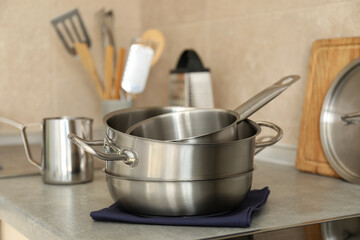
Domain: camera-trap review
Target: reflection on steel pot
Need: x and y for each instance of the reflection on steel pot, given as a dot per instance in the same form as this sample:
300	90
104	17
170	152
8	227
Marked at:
158	160
341	229
121	120
207	125
179	198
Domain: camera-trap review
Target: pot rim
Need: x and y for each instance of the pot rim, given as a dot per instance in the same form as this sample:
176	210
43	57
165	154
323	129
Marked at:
112	114
68	118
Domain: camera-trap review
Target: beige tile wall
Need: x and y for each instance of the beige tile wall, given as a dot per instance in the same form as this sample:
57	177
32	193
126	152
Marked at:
248	44
38	78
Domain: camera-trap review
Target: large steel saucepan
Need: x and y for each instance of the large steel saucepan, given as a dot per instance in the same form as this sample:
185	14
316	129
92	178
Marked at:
134	157
207	125
179	198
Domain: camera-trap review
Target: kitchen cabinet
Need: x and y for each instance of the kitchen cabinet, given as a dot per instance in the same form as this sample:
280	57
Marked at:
7	232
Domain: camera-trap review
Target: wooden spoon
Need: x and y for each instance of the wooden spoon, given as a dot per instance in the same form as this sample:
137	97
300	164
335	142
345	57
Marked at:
157	38
119	72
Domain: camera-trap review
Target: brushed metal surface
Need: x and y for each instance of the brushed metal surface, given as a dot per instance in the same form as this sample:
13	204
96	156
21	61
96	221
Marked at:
125	118
179	198
61	161
340	136
189	126
159	160
176	160
179	161
346	229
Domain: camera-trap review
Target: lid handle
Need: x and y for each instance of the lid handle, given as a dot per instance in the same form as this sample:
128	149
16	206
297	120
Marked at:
351	117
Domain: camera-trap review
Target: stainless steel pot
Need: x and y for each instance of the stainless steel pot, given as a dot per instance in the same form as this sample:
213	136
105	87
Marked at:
207	125
179	198
140	158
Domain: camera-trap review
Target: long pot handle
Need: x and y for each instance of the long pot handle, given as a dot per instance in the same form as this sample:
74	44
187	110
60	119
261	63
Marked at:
246	109
127	156
351	117
263	144
22	128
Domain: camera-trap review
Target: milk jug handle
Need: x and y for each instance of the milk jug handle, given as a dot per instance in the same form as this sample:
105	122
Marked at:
27	146
22	128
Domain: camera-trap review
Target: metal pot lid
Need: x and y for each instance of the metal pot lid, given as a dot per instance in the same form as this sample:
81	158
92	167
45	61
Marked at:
341	229
340	123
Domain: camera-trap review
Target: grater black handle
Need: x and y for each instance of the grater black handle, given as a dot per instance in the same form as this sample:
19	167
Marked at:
189	61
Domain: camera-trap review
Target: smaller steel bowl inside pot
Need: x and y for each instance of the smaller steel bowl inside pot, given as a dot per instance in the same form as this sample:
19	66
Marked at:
123	119
179	198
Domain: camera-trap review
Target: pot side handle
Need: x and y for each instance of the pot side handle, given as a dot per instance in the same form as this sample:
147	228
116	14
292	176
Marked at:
256	102
129	157
259	146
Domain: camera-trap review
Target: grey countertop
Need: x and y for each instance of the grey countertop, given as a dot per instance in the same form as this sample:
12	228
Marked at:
13	161
41	211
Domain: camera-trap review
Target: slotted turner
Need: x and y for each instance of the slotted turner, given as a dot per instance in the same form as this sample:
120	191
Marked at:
71	29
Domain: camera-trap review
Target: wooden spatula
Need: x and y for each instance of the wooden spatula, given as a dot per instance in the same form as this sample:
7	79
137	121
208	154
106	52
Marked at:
88	63
119	72
109	70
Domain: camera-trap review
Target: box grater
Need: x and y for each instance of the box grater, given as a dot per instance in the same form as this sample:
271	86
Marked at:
190	83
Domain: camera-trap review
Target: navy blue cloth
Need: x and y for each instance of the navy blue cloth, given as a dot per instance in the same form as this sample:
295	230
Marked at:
240	217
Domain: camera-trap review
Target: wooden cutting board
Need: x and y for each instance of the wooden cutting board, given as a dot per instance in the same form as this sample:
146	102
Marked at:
327	60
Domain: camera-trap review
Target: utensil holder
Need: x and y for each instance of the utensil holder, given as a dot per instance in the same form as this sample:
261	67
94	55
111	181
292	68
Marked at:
108	106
